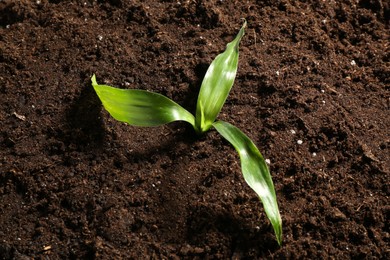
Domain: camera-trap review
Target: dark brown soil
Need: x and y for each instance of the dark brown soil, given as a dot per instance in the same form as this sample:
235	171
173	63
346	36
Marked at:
74	183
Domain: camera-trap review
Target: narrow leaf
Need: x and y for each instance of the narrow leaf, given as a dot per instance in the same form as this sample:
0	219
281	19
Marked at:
255	171
216	84
139	107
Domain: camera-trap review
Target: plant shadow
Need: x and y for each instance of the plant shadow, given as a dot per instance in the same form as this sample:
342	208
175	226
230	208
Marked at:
84	125
210	225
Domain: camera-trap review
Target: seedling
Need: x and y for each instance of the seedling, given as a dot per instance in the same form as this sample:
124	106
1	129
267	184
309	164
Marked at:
143	108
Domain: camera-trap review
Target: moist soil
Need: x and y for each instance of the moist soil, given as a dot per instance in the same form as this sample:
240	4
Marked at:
312	91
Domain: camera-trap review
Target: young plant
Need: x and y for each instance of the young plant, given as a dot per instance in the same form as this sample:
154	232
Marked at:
143	108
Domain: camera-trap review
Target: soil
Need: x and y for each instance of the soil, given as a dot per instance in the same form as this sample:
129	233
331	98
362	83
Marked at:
312	92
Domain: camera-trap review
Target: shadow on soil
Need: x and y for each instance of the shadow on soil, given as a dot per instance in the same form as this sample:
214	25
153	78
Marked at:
208	224
84	124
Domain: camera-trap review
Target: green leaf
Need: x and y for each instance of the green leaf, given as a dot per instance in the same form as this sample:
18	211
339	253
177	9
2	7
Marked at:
255	171
139	107
216	84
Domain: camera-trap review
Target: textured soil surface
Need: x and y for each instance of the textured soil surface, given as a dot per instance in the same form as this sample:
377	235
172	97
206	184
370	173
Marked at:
312	92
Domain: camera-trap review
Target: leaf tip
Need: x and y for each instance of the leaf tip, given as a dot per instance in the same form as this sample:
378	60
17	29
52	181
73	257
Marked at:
279	237
245	23
93	79
240	35
277	226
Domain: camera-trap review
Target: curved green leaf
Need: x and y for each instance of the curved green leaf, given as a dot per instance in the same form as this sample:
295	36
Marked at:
217	83
255	171
139	107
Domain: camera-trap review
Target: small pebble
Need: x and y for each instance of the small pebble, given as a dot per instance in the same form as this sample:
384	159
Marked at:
337	214
299	142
